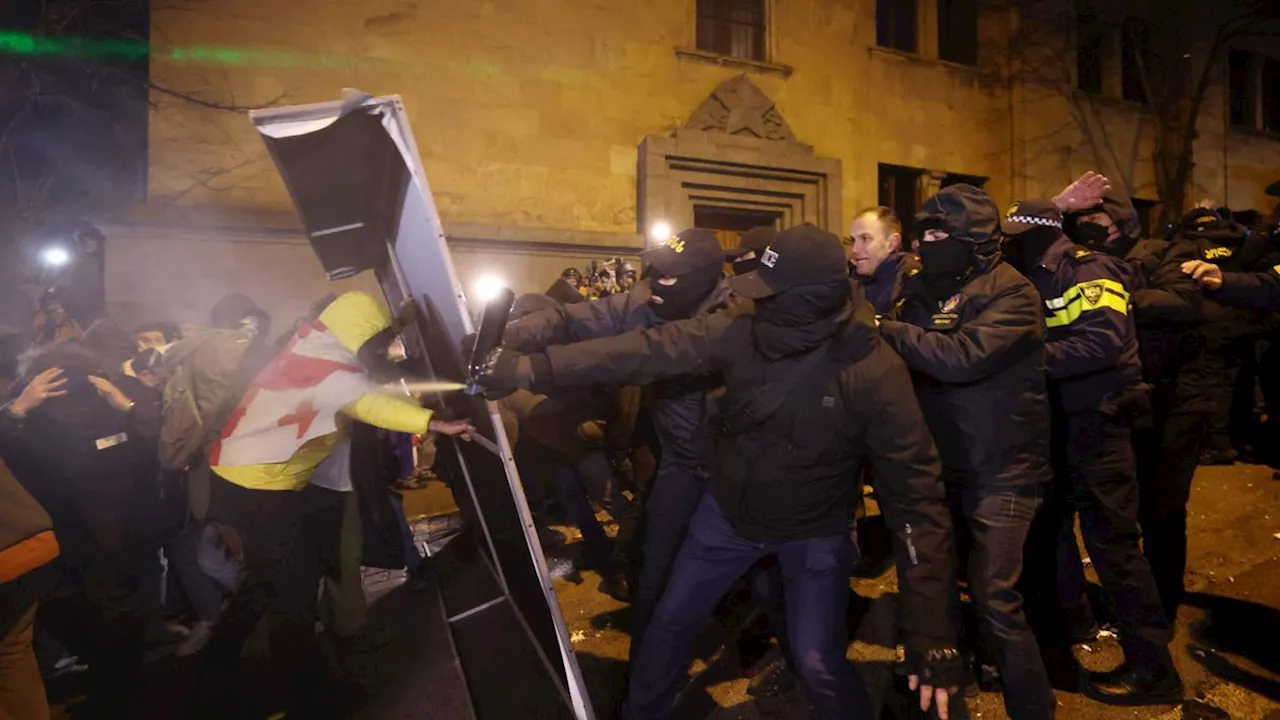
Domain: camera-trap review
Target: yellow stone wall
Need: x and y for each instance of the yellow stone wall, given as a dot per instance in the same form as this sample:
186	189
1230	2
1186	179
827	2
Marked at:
528	113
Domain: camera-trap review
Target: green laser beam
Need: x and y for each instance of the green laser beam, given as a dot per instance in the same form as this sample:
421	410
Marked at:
18	43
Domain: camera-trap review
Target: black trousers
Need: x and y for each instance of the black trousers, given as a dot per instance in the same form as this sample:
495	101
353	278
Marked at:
1167	454
290	539
1095	476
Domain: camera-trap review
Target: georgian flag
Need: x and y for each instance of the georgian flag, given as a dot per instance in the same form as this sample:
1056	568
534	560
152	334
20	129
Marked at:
295	399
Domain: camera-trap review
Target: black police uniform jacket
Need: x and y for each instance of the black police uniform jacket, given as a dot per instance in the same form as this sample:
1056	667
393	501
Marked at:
1091	351
681	406
978	363
791	477
1255	291
1166	305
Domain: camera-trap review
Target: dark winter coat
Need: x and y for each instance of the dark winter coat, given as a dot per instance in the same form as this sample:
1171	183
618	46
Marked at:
978	364
1092	343
792	475
1257	291
681	407
76	456
886	285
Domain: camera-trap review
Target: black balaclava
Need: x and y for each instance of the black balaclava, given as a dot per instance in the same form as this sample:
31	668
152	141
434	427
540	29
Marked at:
1025	250
683	299
796	321
945	265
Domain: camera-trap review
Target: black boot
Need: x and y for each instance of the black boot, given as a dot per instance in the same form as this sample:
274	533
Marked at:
1135	683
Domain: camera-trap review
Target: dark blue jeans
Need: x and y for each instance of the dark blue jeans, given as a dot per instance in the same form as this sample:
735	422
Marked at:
992	524
673	499
816	578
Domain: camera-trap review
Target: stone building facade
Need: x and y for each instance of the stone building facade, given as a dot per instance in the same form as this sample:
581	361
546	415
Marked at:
553	131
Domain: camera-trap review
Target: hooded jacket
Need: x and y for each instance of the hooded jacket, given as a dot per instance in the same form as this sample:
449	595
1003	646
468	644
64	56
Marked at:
78	457
681	407
354	318
792	476
978	363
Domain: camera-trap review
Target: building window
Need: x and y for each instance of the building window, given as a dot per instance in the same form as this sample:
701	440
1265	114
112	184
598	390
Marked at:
1090	48
1135	41
958	31
732	27
1270	91
1241	88
900	190
896	24
1253	86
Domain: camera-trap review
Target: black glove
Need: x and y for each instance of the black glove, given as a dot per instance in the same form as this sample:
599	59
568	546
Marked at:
938	664
504	372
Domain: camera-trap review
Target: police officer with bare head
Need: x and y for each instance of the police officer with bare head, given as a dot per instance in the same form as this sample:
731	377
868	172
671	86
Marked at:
1096	393
812	392
877	259
971	331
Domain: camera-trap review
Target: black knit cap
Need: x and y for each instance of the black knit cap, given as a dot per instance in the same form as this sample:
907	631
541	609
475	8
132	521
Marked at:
804	255
690	251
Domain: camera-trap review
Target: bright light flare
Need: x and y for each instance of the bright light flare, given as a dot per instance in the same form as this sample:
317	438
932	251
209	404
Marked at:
660	232
487	287
55	257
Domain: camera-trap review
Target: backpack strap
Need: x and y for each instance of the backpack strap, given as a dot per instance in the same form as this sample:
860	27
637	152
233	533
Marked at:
763	404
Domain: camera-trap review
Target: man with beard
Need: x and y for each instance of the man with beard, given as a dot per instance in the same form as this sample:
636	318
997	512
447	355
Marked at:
682	280
972	333
1096	391
875	253
811	394
1166	308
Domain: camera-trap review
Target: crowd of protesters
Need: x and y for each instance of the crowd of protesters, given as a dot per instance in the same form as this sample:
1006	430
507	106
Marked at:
1013	372
208	474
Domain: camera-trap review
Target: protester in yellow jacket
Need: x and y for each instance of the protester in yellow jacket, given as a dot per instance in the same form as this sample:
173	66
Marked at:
285	425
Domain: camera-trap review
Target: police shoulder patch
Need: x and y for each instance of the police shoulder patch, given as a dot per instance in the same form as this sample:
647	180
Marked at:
1079	252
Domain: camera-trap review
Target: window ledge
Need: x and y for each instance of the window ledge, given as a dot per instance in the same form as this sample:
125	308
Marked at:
916	57
1112	101
1254	133
734	62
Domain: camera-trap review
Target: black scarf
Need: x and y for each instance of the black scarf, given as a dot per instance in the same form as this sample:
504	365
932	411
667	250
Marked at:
798	320
1025	250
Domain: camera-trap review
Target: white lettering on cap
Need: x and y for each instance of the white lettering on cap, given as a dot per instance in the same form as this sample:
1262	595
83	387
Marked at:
769	258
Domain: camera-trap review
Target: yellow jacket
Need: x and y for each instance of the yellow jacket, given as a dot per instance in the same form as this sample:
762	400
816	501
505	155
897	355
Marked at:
354	318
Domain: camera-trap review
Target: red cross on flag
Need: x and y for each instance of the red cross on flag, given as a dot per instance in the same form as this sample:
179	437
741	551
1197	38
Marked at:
296	398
